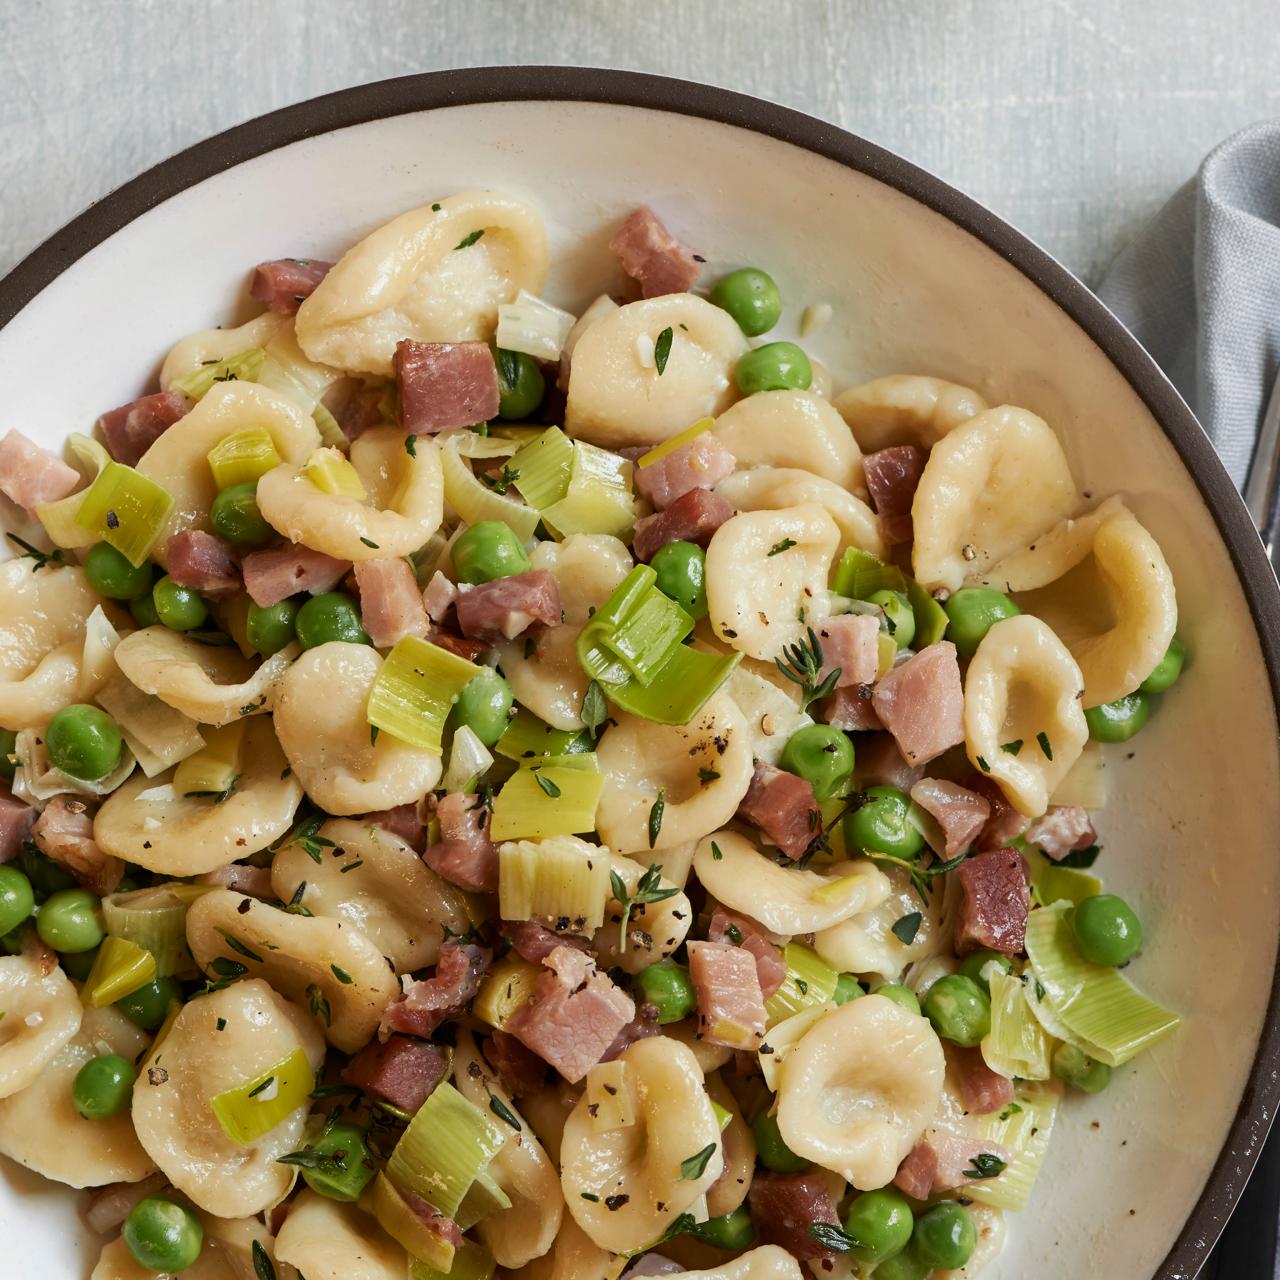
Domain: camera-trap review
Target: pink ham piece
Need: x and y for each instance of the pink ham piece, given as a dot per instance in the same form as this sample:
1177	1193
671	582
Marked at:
575	1015
453	643
994	900
30	475
280	572
782	805
356	406
403	1071
390	603
880	764
730	1002
202	562
785	1205
982	1090
850	645
641	1027
404	821
15	825
64	833
445	385
284	284
254	882
464	855
692	517
940	1161
700	464
921	702
507	607
133	428
852	710
427	1002
960	813
520	1070
650	254
439	596
534	943
740	931
1064	829
1006	824
892	477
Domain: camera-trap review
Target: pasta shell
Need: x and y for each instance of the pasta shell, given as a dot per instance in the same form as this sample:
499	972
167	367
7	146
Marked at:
200	1059
710	1057
860	1088
324	964
906	408
772	712
730	1189
41	1014
209	346
320	722
655	929
1024	685
574	1256
768	1262
328	1240
618	398
766	571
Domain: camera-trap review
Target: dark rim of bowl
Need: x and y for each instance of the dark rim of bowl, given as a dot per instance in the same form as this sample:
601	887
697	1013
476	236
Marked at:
439	89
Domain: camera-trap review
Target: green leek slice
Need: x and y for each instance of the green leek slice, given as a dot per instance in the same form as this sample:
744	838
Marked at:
154	919
415	690
556	797
119	969
242	456
474	501
245	366
526	738
1016	1045
258	1105
599	497
561	878
126	509
1023	1127
544	466
810	981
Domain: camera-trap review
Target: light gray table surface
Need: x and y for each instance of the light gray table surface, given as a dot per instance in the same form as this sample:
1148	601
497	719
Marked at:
1074	119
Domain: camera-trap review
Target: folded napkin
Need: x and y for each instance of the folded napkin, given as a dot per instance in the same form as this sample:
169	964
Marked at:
1200	289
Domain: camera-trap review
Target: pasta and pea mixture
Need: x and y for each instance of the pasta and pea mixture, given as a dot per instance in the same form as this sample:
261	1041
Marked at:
490	789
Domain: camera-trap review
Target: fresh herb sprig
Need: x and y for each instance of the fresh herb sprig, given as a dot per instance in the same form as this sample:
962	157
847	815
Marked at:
803	666
41	558
648	890
921	877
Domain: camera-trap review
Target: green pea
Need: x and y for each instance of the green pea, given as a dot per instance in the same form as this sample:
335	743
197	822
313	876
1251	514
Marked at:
178	607
46	876
83	741
521	385
333	615
777	366
349	1167
8	745
1118	721
902	618
486	551
17	898
144	610
163	1236
729	1231
484	706
149	1006
959	1010
750	296
1168	669
847	988
1106	929
972	612
773	1152
900	995
822	755
1075	1067
235	516
69	921
668	987
907	1265
112	575
881	1222
887	822
269	628
103	1087
78	965
944	1236
976	961
682	575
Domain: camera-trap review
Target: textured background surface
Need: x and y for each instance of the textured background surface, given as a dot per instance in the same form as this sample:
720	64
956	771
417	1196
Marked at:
1071	118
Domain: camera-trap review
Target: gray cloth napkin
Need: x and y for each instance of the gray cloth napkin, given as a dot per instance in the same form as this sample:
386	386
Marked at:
1200	289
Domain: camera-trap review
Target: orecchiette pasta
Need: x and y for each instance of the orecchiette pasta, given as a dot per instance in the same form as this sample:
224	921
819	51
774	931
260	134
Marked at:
767	577
730	1189
710	1057
601	306
325	964
376	883
618	397
217	1042
404	508
768	1262
1053	554
860	1088
145	822
329	1240
435	274
989	488
59	518
41	1013
320	722
41	1128
640	759
771	711
654	930
906	408
1024	684
640	1163
209	346
574	1256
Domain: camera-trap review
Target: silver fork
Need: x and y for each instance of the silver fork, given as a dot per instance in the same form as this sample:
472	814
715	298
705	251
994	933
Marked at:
1262	489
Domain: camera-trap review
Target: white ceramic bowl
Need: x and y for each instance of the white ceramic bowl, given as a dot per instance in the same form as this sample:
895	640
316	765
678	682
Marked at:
920	279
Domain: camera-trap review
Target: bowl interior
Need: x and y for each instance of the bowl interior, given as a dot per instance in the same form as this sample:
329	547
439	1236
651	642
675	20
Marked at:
1194	802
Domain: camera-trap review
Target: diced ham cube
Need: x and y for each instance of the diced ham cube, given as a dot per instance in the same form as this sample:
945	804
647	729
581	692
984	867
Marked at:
1006	824
730	1002
921	702
641	1027
852	710
427	1002
253	882
403	1071
918	1171
284	284
280	572
892	477
64	833
460	646
994	901
15	825
575	1015
520	1070
534	943
202	562
982	1090
31	476
507	607
650	254
1064	829
404	821
692	517
960	813
783	806
464	855
740	931
445	385
439	596
850	645
390	603
700	464
880	764
785	1205
133	428
941	1162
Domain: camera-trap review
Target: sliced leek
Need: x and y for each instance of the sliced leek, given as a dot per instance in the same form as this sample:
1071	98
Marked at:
258	1105
599	497
781	1039
528	738
556	797
469	760
533	326
245	366
1064	884
119	969
610	1103
470	1262
126	509
399	1218
1016	1046
810	982
59	518
331	472
560	878
1023	1127
415	690
508	987
474	501
154	919
544	466
213	769
860	574
667	447
242	456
